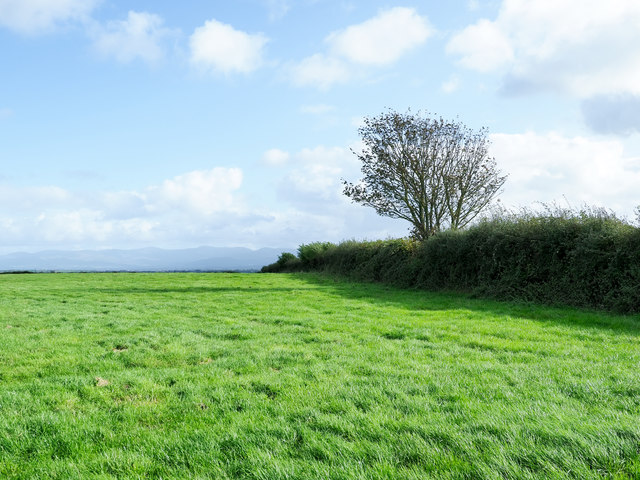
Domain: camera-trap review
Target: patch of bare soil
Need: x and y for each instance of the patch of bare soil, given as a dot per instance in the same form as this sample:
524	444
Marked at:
101	382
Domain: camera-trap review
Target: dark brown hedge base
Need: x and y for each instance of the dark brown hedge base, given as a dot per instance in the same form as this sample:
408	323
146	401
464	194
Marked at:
584	261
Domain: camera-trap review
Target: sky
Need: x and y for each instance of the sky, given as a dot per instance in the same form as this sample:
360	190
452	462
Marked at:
231	123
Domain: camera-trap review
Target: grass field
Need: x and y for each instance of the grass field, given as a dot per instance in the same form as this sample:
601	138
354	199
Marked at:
299	376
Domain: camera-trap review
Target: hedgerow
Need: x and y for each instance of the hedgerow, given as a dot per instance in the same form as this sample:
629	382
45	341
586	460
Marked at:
588	258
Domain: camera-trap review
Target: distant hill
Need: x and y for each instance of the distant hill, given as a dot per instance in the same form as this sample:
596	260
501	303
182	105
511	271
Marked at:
143	259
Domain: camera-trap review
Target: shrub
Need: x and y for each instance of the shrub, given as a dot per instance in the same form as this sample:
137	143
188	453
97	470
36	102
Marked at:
285	258
286	262
586	258
310	255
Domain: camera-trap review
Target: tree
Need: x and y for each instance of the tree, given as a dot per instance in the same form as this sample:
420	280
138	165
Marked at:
431	172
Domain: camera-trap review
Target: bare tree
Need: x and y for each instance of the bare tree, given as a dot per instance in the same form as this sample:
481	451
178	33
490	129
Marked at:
431	172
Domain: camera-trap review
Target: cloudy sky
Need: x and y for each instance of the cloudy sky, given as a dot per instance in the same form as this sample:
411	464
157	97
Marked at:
230	123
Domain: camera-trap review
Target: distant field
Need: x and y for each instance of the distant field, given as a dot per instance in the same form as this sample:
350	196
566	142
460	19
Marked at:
215	376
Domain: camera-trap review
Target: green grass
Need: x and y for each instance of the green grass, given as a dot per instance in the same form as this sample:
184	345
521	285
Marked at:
216	376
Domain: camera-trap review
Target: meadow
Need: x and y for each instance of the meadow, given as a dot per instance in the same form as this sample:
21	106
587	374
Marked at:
304	376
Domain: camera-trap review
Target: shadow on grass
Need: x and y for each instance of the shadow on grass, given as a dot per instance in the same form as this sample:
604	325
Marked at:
198	289
421	300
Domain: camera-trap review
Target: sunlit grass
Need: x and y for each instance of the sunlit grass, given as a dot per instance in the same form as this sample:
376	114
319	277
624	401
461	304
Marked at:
301	376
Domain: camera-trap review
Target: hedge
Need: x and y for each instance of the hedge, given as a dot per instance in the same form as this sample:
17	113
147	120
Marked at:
581	260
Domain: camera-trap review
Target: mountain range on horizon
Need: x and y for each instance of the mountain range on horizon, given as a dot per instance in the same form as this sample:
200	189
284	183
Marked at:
142	259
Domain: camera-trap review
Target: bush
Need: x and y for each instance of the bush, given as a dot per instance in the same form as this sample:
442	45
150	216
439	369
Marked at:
586	258
285	258
286	262
310	255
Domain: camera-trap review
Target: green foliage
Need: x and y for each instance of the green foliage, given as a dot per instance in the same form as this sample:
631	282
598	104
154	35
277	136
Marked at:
309	258
245	376
378	261
310	254
587	258
431	172
285	257
287	261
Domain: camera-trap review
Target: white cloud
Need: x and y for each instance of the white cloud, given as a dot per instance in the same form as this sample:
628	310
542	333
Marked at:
551	167
200	192
483	47
124	205
320	172
38	16
275	157
139	36
5	113
50	216
315	182
319	210
383	39
320	71
204	192
219	47
73	226
585	47
451	85
197	208
377	42
292	227
27	199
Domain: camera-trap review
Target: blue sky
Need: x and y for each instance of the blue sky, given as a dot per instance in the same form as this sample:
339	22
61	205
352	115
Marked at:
178	124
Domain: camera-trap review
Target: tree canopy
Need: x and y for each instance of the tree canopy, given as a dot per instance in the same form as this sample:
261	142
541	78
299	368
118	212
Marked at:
432	172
